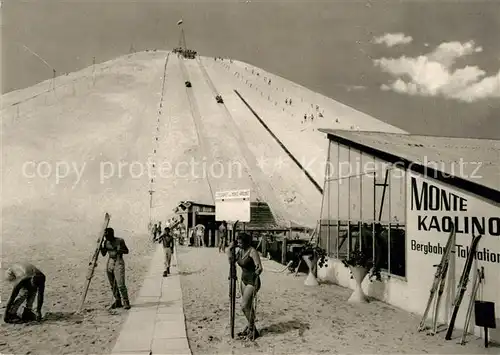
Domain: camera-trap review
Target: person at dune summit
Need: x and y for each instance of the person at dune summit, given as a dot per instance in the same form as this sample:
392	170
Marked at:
115	268
248	259
28	282
167	240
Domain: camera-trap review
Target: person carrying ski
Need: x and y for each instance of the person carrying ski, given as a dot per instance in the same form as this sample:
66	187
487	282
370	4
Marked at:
115	268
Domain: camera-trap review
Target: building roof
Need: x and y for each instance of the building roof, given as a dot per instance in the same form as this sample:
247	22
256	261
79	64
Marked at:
469	163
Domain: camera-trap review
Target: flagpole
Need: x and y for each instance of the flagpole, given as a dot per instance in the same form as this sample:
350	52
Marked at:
183	37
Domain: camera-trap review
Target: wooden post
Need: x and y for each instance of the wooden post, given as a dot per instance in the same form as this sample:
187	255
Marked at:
264	245
283	250
54	79
93	71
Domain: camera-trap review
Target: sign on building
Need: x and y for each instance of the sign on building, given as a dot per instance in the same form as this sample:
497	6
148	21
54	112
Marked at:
232	205
432	207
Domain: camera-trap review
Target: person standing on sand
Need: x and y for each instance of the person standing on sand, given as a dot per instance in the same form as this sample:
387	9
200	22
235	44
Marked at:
223	237
167	240
28	282
115	268
248	259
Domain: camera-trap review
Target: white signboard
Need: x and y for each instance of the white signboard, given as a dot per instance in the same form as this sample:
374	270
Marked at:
232	205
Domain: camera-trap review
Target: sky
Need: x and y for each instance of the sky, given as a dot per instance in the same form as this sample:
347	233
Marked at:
429	67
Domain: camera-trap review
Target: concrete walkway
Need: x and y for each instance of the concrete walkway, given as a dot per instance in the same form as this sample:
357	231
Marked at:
155	324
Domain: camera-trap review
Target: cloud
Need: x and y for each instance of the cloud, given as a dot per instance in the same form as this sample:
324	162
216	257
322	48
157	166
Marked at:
432	74
393	39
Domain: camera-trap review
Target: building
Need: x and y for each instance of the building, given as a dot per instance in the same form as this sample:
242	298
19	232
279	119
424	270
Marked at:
411	188
261	219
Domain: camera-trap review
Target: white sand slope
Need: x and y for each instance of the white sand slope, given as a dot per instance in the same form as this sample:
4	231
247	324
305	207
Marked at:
101	130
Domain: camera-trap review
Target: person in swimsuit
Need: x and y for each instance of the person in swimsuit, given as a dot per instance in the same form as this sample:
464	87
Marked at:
248	259
167	240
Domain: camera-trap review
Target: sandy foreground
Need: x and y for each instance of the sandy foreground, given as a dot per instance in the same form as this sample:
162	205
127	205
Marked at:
63	332
294	319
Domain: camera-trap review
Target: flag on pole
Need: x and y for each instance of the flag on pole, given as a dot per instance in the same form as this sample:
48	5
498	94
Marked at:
179	22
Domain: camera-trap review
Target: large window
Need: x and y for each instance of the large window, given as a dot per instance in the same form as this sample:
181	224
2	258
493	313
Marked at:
364	208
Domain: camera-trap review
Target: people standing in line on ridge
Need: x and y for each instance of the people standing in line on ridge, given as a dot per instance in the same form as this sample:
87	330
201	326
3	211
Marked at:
248	259
290	101
167	241
286	101
28	282
223	237
200	235
115	268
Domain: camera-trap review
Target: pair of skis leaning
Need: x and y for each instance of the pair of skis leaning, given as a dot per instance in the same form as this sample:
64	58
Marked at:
233	278
438	284
439	281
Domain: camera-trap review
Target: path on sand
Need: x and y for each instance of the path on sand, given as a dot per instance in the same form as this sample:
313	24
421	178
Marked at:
294	319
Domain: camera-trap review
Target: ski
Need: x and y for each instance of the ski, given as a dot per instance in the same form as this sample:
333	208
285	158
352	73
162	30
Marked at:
232	282
93	261
478	277
440	274
462	285
439	295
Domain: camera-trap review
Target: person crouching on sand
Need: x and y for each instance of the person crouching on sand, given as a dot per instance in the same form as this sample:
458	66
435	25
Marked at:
28	282
115	268
248	259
